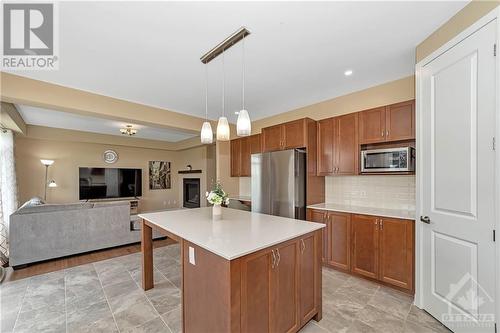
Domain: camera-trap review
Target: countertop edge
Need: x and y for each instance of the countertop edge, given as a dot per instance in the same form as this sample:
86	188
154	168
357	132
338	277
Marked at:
239	255
355	211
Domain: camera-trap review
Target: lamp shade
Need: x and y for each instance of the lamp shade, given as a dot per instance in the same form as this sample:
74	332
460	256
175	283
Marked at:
47	162
206	135
52	183
243	125
223	129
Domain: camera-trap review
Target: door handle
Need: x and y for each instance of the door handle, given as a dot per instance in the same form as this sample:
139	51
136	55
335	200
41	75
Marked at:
274	260
425	219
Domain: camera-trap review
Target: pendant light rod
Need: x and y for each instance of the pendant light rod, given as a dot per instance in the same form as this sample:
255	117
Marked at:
223	84
206	92
243	74
225	44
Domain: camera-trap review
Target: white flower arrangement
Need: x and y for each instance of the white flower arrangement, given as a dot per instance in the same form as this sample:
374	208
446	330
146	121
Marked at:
217	196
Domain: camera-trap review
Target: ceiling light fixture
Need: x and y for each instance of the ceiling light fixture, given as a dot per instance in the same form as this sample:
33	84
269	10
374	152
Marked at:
348	72
128	130
223	131
206	135
243	124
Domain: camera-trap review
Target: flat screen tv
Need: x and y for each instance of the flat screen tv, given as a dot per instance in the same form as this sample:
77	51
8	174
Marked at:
103	183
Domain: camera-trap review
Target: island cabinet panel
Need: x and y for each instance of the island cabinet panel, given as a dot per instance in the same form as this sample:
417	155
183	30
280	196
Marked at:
397	252
255	292
365	245
308	266
339	237
400	121
284	314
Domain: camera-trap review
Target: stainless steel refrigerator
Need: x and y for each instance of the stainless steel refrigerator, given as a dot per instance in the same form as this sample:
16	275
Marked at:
279	183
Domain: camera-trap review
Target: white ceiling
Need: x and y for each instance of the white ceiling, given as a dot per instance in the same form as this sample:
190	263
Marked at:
148	52
58	119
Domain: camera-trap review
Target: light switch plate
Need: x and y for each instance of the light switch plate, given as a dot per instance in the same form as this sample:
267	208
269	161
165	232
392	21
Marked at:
192	260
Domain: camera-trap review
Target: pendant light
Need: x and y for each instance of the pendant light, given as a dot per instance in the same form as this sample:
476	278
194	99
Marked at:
206	135
243	124
223	132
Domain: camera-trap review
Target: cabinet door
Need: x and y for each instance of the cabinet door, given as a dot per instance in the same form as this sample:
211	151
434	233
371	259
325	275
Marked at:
320	216
364	259
400	121
294	134
235	157
272	138
372	125
308	270
396	252
255	146
284	315
256	292
346	144
245	157
339	236
325	159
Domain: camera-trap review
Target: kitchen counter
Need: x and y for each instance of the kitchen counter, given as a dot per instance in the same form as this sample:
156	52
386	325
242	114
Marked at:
234	270
241	198
383	212
238	232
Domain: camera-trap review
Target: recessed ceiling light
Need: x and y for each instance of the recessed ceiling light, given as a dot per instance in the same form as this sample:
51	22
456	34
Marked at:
348	72
236	112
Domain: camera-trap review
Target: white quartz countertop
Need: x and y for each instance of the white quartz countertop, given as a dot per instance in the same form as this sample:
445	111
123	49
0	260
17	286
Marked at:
238	233
383	212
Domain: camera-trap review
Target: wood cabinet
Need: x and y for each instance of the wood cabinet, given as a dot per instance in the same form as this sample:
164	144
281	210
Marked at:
394	122
375	247
281	286
339	238
338	147
365	245
241	151
285	136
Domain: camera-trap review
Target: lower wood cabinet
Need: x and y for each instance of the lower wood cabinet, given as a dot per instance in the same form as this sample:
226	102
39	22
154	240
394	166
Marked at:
281	287
375	247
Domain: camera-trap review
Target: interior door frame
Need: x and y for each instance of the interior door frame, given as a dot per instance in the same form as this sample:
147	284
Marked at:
494	14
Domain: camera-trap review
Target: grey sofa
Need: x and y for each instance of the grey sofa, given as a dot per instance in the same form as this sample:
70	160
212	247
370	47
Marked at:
50	231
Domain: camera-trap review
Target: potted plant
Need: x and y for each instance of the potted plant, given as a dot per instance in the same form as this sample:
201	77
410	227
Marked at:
217	197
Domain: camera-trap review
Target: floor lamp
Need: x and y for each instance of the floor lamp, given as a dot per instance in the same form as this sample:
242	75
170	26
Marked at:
52	183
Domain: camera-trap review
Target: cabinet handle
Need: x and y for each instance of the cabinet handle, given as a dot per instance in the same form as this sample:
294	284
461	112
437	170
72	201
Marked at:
387	133
303	246
274	260
382	134
381	224
376	224
279	257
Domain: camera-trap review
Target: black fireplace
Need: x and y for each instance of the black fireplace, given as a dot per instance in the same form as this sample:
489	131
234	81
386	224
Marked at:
191	196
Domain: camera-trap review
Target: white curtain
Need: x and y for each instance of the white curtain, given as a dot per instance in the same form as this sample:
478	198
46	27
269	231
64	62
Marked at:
8	189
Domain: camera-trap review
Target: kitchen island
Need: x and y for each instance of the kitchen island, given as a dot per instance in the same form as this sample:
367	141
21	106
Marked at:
247	272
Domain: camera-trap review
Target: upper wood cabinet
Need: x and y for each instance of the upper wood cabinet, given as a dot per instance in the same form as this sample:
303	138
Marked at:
241	151
285	136
338	145
388	123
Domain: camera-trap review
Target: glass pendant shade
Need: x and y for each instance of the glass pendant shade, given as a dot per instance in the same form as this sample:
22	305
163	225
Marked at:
207	135
223	129
243	125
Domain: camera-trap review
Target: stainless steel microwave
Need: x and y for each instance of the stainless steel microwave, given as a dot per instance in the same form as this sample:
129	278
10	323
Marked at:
388	160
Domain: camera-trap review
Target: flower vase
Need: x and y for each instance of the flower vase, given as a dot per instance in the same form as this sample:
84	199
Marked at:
216	211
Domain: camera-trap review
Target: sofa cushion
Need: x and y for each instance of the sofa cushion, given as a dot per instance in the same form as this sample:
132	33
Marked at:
53	208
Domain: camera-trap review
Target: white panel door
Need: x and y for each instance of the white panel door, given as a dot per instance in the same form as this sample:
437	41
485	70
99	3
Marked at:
458	178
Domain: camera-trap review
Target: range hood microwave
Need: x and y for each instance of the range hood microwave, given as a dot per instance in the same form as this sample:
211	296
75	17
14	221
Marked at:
400	159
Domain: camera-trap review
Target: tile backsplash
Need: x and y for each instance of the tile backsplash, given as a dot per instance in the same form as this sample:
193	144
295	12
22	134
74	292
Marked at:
382	191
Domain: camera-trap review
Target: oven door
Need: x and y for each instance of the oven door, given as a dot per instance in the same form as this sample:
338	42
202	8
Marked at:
385	160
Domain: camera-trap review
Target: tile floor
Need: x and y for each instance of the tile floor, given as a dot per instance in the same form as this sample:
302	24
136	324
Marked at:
106	296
